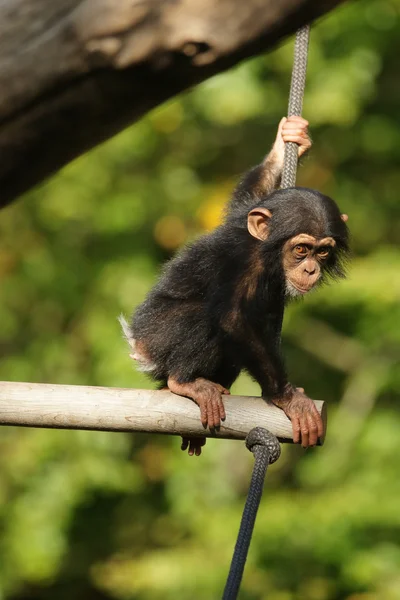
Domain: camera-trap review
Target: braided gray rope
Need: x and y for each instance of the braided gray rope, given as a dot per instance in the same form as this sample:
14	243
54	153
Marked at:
262	443
296	102
266	450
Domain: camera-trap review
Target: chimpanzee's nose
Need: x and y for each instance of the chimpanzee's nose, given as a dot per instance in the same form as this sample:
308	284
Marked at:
309	270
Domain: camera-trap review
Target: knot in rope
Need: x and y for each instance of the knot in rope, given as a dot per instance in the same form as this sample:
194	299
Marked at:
266	449
264	438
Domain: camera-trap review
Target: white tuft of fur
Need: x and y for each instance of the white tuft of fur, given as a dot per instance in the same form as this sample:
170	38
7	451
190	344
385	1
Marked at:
126	330
144	364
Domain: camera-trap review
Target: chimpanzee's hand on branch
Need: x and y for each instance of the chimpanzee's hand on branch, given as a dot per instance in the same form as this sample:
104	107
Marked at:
306	420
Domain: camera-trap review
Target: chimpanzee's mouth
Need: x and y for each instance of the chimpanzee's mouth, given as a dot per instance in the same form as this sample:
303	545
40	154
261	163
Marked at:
300	289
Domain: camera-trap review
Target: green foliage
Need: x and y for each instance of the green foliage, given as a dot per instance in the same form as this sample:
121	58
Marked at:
113	516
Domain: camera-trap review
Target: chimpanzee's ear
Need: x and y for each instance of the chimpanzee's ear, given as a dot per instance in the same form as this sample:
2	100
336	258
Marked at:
258	223
344	218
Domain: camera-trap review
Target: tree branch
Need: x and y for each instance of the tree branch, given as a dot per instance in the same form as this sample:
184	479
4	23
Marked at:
75	72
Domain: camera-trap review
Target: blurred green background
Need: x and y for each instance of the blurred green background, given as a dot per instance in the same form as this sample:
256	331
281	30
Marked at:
102	516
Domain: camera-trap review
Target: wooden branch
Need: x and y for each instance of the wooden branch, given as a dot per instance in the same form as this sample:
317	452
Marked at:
75	72
146	411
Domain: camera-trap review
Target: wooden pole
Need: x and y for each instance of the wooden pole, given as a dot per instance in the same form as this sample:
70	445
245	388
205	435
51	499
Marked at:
147	411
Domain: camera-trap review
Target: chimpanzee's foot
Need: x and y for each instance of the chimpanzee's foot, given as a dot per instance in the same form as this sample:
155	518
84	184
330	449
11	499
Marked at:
194	444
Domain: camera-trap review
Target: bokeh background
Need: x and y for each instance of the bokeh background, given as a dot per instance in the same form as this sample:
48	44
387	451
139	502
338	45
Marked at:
106	516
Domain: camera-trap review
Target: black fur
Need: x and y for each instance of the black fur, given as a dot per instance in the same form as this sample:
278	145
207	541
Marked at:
194	323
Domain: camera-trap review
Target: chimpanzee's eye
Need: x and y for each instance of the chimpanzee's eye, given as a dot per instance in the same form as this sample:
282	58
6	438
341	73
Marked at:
324	252
301	250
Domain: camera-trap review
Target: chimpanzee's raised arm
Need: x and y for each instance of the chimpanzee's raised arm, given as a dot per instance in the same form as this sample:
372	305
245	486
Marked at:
265	177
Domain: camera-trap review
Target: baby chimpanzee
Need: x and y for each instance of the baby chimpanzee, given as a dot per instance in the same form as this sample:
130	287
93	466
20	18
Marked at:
218	306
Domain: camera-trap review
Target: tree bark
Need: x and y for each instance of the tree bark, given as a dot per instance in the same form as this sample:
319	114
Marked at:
75	72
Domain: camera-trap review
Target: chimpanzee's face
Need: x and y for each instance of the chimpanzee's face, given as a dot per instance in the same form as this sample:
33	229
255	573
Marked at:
304	258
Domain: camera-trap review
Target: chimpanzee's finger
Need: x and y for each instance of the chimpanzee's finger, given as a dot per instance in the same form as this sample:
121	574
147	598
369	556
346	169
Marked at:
317	418
295	129
203	412
185	443
198	448
191	447
221	407
210	413
320	426
313	430
297	139
296	430
304	431
294	118
216	401
280	126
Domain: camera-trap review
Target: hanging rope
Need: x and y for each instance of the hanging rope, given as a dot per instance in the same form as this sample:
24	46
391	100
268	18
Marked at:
297	87
266	450
262	443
